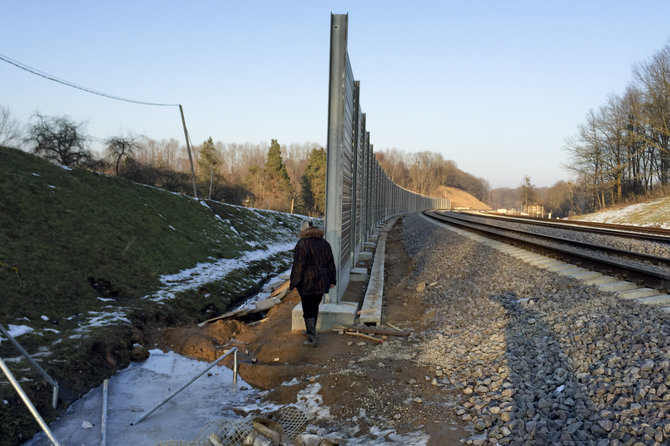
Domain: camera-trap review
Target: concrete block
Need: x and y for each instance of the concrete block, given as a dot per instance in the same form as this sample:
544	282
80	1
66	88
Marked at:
551	264
371	310
600	280
358	275
584	275
638	293
662	299
560	266
329	316
618	286
364	256
527	256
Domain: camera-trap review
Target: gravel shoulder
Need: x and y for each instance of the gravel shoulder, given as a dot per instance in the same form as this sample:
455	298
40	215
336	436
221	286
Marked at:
499	352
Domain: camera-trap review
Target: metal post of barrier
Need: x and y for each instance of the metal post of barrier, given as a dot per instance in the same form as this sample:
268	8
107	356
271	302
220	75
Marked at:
359	194
45	375
355	182
28	403
173	394
335	144
235	368
103	415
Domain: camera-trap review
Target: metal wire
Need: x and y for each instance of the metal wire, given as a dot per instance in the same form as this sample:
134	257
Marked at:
50	77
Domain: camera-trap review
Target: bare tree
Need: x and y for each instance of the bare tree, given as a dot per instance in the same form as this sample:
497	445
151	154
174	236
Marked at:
653	79
10	130
59	139
120	147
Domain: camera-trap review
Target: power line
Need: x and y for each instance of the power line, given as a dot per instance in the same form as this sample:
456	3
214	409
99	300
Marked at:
79	87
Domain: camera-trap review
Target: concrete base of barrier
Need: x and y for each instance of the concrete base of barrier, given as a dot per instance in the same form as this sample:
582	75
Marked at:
358	275
330	315
364	256
371	311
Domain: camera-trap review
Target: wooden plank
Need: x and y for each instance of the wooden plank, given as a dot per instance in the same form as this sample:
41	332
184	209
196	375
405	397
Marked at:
362	335
374	330
281	288
236	313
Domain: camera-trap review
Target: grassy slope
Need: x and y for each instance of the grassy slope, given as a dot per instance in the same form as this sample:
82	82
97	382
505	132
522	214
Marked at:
653	213
59	227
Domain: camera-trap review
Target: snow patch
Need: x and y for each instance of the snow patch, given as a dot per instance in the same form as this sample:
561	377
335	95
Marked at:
204	273
139	388
310	402
19	330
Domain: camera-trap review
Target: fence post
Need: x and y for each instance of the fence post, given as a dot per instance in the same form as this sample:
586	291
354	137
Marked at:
334	160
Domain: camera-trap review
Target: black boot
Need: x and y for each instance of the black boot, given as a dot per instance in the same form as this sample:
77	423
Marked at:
310	329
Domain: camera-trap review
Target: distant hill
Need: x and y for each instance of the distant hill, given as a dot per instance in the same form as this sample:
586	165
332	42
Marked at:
461	199
654	213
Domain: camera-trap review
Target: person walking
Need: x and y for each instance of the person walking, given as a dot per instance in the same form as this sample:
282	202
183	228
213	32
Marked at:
313	274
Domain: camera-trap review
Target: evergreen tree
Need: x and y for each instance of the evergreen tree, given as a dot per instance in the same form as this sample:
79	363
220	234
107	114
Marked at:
306	198
207	162
279	191
274	164
314	195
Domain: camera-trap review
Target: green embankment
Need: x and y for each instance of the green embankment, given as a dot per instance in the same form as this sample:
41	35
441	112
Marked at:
73	242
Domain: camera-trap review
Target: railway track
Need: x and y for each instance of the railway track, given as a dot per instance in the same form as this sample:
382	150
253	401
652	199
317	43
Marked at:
632	262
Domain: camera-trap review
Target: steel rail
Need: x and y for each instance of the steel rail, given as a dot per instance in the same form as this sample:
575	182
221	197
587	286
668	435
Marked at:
588	245
637	232
647	270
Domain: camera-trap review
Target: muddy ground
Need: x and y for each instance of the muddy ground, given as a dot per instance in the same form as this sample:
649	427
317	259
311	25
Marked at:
397	393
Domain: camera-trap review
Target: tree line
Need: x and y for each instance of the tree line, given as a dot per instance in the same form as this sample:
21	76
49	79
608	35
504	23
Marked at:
424	172
622	150
270	176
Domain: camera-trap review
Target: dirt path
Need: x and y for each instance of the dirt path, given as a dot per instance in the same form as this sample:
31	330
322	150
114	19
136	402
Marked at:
363	383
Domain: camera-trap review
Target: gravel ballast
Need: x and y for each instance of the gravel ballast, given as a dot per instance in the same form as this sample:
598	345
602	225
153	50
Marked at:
537	358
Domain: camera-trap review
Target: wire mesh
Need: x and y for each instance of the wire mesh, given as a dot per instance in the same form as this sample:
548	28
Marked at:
233	432
293	420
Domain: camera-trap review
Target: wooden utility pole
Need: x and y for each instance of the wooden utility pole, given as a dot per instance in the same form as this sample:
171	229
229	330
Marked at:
188	149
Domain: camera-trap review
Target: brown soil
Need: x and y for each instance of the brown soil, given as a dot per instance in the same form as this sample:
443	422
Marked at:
272	354
461	199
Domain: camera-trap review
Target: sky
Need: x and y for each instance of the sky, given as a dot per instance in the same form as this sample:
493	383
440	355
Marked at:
497	87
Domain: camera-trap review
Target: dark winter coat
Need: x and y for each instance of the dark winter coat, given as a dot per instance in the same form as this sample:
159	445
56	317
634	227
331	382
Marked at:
313	266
